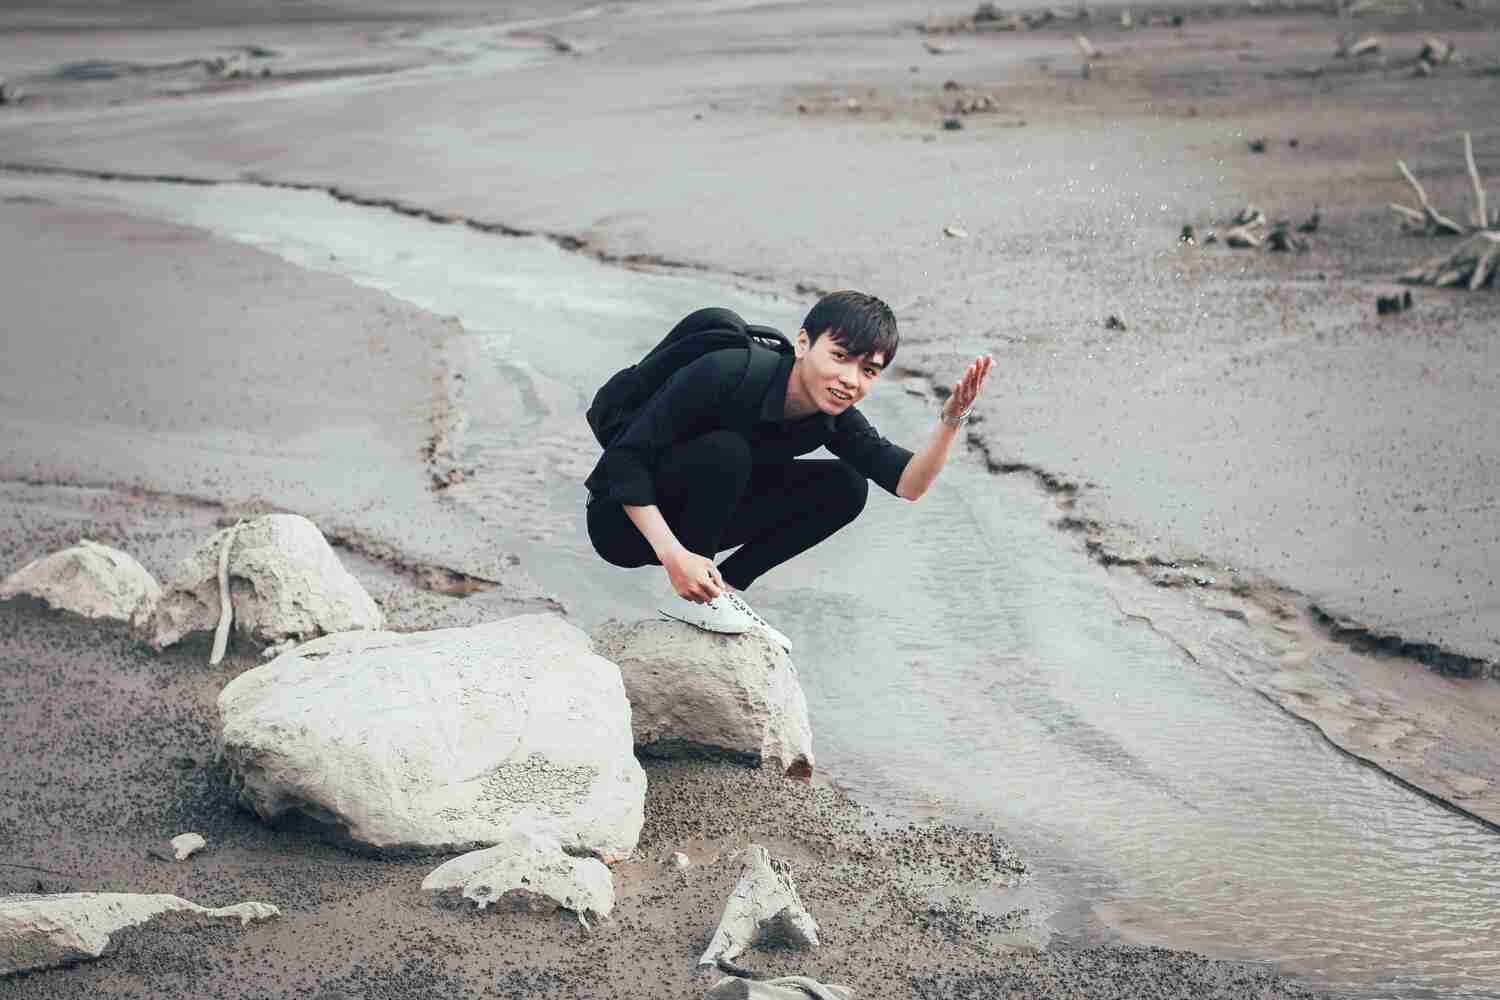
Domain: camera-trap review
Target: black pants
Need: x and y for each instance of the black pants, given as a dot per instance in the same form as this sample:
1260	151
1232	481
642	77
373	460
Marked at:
714	497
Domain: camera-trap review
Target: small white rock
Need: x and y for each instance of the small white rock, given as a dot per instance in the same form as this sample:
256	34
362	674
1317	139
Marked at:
39	932
680	860
91	580
185	845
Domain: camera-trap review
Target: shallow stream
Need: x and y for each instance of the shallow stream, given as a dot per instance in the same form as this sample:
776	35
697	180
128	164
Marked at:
963	659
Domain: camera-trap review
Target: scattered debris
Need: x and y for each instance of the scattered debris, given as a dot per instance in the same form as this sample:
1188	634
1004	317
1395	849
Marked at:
1242	237
801	108
1280	239
1312	223
1351	48
1113	322
7	94
952	124
1436	52
852	104
1189	235
975	104
951	85
1258	145
1086	48
957	232
185	845
938	48
1386	305
764	907
1472	264
680	860
1382	8
1126	20
1250	216
1292	142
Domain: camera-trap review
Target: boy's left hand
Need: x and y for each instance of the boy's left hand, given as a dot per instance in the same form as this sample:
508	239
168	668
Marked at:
966	389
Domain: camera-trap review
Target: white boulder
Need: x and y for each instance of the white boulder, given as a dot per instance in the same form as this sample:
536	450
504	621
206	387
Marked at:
530	871
763	909
780	988
88	579
185	845
694	689
285	582
39	932
441	740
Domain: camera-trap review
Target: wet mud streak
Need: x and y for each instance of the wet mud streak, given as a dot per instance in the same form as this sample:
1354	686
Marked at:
564	241
1107	551
1446	804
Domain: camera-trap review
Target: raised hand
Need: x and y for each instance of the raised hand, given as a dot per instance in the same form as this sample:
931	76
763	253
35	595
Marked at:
967	388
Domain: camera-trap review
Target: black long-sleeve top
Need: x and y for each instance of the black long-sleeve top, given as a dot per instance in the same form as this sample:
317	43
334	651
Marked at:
698	398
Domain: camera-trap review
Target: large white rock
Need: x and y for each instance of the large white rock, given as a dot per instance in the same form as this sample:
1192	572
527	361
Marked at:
442	740
285	582
780	988
88	579
529	870
763	909
689	688
39	932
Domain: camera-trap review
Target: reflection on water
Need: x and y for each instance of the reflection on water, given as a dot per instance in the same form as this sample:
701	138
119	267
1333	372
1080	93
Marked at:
960	657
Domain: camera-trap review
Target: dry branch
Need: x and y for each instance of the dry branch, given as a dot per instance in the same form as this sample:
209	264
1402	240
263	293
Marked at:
1479	216
1471	264
1434	220
226	605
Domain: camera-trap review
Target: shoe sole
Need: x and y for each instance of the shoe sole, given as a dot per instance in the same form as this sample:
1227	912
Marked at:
707	628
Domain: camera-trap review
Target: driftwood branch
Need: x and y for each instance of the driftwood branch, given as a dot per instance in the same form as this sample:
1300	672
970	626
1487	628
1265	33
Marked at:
1481	216
1437	221
1409	214
226	606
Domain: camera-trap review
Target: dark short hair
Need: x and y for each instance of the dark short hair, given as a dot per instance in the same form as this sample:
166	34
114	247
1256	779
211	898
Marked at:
862	324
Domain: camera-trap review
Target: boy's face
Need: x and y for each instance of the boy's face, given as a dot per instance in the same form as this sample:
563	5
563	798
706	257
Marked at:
831	377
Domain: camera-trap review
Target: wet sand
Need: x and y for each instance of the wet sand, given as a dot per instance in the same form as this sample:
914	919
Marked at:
1253	415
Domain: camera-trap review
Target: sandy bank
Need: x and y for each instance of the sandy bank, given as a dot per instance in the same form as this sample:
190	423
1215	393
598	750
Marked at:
107	751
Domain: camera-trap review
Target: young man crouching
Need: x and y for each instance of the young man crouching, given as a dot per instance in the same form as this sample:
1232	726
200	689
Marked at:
695	472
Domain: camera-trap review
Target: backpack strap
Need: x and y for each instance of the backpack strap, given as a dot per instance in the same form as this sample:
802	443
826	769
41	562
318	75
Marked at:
761	364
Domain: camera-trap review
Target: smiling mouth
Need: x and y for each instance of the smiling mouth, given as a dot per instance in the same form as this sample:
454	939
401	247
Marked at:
841	396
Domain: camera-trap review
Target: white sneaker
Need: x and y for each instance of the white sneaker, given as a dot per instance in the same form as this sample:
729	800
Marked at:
760	623
717	615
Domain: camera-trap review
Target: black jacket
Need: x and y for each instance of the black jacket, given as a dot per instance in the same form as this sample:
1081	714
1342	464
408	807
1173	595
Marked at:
696	400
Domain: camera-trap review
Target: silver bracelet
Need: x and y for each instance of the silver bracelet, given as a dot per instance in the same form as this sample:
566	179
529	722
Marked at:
957	421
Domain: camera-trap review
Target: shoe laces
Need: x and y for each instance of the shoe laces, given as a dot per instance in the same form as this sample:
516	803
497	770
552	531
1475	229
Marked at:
735	600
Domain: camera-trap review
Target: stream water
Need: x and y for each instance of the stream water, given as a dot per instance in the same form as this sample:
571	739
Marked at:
962	659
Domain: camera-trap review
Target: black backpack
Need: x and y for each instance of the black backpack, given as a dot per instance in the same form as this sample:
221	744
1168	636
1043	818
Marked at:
617	401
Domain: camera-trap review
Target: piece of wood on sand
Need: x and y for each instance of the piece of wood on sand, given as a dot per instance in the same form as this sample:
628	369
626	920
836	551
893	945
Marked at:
1430	217
1471	264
